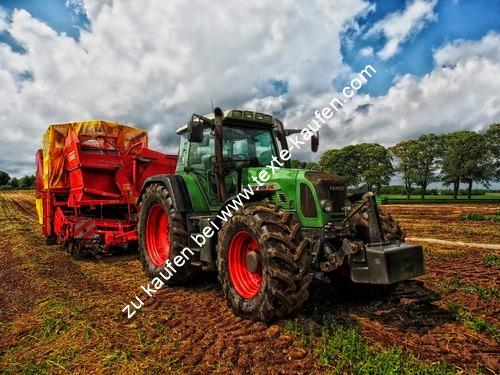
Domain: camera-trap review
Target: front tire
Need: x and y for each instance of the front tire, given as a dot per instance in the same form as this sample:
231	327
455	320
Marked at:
162	237
263	262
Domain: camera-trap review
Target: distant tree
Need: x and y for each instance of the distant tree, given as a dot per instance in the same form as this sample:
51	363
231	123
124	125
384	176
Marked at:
480	164
376	165
428	149
14	182
27	182
313	166
462	159
345	162
492	136
305	165
4	178
453	159
406	154
297	164
367	163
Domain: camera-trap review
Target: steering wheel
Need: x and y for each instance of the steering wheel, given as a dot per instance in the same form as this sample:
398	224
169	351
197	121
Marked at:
240	157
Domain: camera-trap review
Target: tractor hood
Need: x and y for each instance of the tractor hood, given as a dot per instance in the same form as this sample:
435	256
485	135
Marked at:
285	178
316	197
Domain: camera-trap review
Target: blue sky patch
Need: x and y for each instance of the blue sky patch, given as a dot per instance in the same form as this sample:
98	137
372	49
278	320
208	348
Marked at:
55	13
458	19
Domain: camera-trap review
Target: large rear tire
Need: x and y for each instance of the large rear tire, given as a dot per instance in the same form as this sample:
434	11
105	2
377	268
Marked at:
162	236
263	262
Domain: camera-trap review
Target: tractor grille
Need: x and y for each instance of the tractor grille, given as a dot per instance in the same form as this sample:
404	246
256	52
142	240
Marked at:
307	201
329	187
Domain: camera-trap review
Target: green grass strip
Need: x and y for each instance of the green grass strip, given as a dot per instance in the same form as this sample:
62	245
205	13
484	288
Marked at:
492	260
343	350
460	313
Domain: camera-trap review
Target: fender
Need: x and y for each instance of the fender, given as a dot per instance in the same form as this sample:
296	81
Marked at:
177	187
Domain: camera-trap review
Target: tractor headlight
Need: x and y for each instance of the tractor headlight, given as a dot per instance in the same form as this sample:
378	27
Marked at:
327	206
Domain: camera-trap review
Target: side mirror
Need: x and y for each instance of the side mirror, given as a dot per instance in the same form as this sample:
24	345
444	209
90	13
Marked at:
315	142
195	130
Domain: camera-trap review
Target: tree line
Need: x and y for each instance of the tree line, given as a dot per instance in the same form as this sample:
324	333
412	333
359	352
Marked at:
25	182
453	158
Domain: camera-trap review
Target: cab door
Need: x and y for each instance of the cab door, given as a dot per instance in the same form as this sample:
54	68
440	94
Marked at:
200	165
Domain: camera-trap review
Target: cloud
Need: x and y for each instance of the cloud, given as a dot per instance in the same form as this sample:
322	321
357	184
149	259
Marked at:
460	93
366	52
398	27
155	69
458	50
76	6
93	8
268	104
3	19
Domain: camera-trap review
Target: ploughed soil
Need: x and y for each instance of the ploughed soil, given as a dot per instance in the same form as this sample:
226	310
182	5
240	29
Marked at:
58	315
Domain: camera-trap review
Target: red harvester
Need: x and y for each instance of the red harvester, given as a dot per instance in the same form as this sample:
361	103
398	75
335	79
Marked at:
89	179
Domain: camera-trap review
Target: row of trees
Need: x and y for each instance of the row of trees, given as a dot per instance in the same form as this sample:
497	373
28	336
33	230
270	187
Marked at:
452	158
25	182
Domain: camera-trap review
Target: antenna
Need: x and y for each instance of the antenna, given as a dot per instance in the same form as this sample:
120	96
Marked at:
211	101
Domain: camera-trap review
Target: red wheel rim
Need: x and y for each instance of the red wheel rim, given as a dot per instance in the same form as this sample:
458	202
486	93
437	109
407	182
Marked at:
246	283
157	235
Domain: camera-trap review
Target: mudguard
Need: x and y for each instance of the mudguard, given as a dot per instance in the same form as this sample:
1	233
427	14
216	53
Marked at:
176	185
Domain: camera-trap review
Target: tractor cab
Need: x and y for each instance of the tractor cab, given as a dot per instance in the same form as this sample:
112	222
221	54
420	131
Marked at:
242	147
219	156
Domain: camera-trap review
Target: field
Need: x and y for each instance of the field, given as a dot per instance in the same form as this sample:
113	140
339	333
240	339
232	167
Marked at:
489	197
62	316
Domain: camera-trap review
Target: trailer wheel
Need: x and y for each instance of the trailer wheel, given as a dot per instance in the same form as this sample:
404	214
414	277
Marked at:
263	262
50	240
75	250
162	237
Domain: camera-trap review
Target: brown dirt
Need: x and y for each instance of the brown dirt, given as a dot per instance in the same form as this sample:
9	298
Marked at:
58	315
443	221
445	264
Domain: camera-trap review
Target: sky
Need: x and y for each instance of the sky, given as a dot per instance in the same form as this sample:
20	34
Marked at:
152	64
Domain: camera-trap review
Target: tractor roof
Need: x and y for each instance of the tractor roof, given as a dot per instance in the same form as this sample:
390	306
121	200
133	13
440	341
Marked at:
242	117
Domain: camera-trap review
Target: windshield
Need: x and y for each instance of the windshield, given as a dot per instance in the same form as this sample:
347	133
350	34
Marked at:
241	144
246	144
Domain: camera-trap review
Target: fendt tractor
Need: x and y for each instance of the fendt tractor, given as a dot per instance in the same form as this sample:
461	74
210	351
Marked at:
99	187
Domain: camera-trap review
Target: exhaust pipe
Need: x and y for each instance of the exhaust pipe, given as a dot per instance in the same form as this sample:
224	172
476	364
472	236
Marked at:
219	158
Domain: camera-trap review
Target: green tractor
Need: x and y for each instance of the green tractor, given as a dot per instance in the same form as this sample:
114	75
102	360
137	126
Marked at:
236	206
